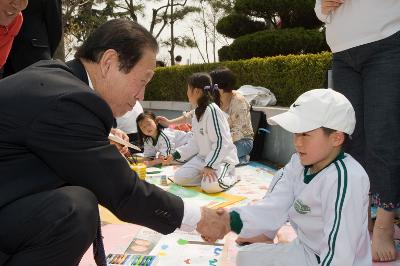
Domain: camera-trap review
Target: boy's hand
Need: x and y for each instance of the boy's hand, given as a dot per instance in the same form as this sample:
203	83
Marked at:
328	6
209	174
214	224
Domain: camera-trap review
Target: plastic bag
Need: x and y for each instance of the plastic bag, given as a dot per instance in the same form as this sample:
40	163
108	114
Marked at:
257	96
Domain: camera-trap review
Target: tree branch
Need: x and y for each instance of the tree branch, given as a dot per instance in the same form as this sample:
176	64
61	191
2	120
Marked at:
154	17
197	45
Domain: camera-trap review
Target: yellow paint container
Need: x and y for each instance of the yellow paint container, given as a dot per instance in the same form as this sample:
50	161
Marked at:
140	169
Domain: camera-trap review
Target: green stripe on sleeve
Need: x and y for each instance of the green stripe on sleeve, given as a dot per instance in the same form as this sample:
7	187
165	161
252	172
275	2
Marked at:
167	142
219	137
176	155
340	196
340	208
236	222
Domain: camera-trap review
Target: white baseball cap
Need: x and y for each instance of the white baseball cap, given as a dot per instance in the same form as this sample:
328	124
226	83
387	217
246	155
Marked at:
318	108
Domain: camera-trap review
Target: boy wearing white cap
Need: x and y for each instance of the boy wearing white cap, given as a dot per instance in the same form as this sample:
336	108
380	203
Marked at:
322	191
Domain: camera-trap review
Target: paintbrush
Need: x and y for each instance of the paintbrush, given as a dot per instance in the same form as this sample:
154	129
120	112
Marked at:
185	242
118	140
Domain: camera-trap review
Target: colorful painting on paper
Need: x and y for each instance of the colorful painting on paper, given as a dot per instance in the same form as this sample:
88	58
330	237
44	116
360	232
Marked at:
183	249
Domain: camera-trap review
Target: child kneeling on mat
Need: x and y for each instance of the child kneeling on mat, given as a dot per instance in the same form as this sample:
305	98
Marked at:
214	154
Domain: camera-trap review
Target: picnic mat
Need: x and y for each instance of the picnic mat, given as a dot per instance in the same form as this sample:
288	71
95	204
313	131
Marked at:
182	248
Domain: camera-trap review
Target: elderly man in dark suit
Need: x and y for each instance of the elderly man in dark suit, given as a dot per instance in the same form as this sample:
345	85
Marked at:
56	163
39	36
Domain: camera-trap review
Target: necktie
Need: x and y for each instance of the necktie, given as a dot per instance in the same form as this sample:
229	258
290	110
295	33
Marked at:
98	248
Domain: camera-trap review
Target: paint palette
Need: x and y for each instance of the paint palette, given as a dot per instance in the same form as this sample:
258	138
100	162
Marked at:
131	259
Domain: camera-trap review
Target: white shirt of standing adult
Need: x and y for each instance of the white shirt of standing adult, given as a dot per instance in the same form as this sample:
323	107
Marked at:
127	122
357	22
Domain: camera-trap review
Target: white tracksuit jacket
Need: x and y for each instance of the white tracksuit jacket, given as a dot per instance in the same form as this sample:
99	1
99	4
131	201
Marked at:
328	211
211	140
167	142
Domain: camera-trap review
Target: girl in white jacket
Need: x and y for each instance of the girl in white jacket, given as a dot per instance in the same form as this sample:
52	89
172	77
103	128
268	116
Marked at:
214	154
158	140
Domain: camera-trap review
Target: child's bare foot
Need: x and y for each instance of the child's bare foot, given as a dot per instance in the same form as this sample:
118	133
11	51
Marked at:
383	248
255	239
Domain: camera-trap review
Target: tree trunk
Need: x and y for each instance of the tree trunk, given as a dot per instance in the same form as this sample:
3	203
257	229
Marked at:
172	52
214	38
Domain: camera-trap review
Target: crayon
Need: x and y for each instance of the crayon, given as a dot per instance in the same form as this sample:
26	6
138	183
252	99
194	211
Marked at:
135	260
150	262
138	263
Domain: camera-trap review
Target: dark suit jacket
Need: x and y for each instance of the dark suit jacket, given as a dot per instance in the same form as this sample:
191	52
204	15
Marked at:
39	36
54	132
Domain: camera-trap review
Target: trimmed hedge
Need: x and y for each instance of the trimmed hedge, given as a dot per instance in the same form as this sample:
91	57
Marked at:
275	42
286	76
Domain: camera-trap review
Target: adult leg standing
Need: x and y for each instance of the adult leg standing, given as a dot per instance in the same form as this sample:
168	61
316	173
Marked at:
381	77
369	75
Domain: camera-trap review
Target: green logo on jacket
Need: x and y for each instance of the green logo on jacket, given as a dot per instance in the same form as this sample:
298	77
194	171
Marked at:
300	207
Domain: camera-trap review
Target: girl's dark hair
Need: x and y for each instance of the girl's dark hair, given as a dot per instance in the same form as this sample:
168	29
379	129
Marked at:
225	79
142	136
203	82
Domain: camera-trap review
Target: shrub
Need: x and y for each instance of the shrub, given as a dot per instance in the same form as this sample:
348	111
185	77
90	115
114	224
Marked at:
236	25
277	42
286	76
292	13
